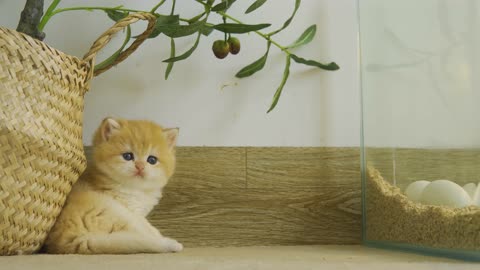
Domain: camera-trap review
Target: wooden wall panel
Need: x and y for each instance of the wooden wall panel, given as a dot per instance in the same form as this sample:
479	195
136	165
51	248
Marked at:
294	167
249	217
294	196
206	167
234	196
210	167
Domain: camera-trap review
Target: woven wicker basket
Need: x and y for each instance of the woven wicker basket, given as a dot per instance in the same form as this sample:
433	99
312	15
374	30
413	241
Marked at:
41	113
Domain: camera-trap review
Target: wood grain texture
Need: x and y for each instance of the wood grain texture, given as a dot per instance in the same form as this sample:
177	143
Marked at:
206	167
210	167
229	196
248	217
297	167
294	196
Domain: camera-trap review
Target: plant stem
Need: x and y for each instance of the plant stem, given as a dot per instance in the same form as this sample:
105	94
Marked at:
95	8
173	7
30	19
47	16
200	2
157	6
225	21
51	11
267	37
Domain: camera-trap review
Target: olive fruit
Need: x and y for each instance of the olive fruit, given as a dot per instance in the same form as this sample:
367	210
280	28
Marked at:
234	45
220	48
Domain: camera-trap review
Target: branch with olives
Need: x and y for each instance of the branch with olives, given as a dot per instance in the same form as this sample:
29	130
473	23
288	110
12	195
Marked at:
174	26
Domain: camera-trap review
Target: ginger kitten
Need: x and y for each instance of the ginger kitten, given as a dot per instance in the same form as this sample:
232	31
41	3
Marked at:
106	209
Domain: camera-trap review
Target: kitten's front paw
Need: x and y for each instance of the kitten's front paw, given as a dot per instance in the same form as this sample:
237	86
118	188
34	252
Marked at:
171	245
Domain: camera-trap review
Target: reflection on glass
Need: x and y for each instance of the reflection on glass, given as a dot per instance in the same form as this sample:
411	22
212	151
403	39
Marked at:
420	65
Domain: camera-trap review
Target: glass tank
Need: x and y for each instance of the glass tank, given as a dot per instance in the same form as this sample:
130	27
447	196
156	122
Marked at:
420	73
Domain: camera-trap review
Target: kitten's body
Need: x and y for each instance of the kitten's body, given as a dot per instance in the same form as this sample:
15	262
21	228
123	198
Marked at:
106	209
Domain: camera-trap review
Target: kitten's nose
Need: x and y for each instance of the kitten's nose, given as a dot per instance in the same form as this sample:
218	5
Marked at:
139	165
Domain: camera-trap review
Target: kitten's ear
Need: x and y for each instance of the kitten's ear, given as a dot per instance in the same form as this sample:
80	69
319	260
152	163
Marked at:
171	134
109	127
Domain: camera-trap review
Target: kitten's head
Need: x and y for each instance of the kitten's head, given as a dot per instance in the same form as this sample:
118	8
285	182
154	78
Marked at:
134	153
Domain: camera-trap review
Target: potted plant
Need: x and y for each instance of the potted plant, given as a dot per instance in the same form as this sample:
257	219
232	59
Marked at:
174	26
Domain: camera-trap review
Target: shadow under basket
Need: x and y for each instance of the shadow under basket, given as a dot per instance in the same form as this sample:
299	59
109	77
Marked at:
394	221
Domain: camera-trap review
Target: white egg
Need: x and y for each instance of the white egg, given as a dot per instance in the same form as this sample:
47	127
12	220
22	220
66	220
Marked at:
470	189
445	193
415	189
476	196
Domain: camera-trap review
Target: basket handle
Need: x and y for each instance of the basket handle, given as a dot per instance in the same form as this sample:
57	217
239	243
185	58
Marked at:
103	40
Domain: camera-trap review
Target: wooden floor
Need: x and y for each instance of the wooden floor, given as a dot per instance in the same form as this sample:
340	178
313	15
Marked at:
227	196
242	258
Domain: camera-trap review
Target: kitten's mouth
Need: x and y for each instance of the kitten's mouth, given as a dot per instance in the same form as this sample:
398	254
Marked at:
140	174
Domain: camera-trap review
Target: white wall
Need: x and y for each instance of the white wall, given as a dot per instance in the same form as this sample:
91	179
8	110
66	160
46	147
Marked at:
202	96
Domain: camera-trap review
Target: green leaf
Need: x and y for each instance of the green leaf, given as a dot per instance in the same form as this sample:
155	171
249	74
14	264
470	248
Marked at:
116	15
300	60
186	54
255	66
196	18
289	20
206	30
208	5
223	6
162	22
278	93
255	5
236	28
176	30
305	37
172	55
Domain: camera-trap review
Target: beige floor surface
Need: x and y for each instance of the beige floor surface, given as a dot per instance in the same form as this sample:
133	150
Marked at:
278	258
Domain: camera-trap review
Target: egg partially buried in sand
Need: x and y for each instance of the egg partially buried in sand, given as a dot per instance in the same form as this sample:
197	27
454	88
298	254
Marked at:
445	193
470	189
476	196
415	189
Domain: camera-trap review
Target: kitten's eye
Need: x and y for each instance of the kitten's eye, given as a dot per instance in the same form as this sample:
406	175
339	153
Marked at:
127	156
152	160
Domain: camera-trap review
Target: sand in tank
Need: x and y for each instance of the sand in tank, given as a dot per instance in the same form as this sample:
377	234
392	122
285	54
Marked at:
392	217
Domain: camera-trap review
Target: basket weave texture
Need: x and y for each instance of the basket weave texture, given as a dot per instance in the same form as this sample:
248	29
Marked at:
41	113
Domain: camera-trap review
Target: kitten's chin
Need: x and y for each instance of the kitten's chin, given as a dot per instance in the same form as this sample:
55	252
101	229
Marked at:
145	181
